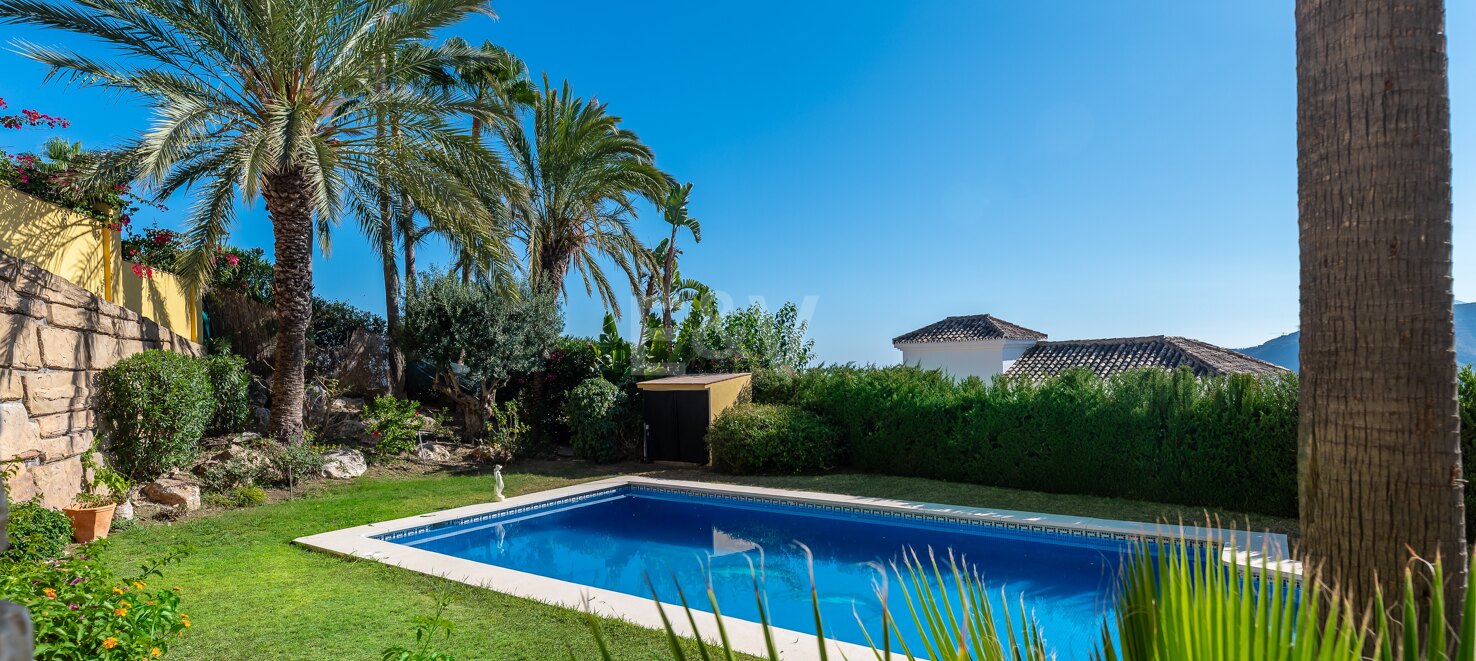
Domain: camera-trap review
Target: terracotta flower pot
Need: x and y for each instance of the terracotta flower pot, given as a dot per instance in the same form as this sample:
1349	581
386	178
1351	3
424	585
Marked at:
89	523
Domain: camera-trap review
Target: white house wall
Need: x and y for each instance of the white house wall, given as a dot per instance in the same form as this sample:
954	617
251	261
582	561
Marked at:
984	359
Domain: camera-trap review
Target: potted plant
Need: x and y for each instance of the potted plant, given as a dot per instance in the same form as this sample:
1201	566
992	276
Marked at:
92	511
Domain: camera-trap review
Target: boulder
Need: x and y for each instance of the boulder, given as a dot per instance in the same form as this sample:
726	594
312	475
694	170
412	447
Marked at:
344	464
175	490
314	406
263	416
433	452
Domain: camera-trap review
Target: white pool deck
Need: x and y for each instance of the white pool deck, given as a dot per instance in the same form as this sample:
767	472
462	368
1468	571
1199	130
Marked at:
1270	552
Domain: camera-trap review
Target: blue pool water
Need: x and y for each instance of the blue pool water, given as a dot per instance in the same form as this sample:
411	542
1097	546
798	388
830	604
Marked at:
615	539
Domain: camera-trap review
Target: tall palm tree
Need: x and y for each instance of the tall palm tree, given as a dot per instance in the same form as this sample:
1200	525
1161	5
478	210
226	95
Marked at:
1380	453
486	73
582	175
389	210
674	212
268	98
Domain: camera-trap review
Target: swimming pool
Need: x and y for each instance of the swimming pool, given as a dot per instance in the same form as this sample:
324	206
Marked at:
599	543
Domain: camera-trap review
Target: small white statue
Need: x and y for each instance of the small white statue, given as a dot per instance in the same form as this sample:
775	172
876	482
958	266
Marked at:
497	479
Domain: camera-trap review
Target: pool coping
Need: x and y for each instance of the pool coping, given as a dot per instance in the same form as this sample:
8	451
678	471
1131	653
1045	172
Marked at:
746	636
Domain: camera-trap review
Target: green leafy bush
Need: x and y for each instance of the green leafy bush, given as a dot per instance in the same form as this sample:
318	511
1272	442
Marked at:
334	321
542	393
231	382
239	496
592	410
393	423
83	611
292	462
156	406
774	386
1150	434
746	339
36	533
771	438
506	430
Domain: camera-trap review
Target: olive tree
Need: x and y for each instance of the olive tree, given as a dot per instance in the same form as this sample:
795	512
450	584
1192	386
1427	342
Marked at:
477	336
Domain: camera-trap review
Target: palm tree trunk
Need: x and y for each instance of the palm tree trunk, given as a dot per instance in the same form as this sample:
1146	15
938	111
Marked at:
666	284
395	357
289	203
1380	454
407	233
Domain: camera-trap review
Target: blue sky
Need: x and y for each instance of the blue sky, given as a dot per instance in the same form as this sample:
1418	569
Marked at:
1083	169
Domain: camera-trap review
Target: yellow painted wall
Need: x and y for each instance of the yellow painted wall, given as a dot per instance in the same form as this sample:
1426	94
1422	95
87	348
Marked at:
75	247
724	394
163	298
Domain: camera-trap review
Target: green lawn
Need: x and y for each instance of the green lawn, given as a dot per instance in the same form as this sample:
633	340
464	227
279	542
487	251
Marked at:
253	595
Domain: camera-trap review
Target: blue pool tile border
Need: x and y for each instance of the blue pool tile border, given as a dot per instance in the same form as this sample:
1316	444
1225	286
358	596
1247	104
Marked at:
979	520
500	514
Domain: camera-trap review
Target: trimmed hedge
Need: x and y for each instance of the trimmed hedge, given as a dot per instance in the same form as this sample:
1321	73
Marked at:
771	438
1155	435
593	411
156	405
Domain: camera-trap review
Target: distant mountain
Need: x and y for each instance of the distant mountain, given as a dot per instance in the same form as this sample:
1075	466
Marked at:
1283	350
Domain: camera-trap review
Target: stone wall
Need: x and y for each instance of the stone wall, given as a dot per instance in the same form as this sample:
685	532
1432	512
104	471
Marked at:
54	337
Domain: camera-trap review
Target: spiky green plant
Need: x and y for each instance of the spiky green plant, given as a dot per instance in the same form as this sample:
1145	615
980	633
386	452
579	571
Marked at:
1176	601
950	631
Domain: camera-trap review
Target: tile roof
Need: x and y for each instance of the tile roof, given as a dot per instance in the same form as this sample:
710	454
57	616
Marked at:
968	328
1105	357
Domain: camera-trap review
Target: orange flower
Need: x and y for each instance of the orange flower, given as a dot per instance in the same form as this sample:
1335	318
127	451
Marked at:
138	585
110	643
120	612
154	652
117	590
50	593
186	623
125	604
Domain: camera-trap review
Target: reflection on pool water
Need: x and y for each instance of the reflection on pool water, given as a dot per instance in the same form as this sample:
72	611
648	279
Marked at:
615	540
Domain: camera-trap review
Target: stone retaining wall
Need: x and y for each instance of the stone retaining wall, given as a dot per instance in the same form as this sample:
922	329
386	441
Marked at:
54	337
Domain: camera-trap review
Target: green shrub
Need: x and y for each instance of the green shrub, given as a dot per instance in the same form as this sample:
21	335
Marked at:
393	423
1227	442
506	430
82	610
335	321
774	386
592	410
36	533
239	496
222	476
771	438
156	406
231	382
543	393
291	463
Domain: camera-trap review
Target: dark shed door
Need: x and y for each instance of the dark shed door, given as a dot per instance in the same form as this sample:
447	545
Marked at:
676	425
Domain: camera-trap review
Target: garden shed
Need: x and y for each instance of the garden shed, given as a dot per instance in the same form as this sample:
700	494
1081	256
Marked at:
679	409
